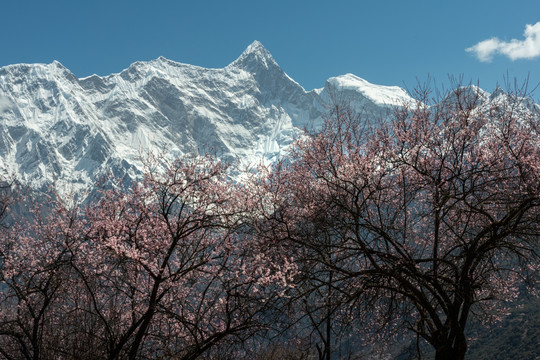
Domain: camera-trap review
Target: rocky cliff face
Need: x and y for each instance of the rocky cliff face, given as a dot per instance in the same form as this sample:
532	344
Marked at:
57	128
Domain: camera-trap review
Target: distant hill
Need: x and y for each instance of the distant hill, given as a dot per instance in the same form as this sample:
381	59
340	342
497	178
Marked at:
516	337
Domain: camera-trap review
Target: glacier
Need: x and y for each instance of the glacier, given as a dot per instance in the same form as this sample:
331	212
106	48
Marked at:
57	129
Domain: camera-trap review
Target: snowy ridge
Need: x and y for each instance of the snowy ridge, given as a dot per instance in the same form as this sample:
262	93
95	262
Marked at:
58	129
380	95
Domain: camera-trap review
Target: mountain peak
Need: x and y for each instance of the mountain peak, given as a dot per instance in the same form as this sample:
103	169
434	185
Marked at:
58	64
256	47
497	92
381	95
255	57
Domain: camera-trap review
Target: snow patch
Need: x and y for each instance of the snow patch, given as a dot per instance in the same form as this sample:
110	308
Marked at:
5	103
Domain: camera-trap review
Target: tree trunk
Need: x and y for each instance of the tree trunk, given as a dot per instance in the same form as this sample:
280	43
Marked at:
448	352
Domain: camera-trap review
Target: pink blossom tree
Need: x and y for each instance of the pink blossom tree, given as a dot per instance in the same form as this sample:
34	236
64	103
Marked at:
166	270
293	222
162	269
35	254
435	214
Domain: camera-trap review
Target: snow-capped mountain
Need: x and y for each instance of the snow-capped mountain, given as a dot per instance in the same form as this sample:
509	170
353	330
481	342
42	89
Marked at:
57	128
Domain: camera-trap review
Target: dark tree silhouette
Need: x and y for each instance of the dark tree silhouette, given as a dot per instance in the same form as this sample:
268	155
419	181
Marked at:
434	214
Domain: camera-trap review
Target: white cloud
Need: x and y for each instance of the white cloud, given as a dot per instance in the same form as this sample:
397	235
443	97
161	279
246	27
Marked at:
514	49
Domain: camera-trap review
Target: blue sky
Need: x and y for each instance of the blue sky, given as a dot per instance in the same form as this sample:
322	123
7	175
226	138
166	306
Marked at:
385	42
